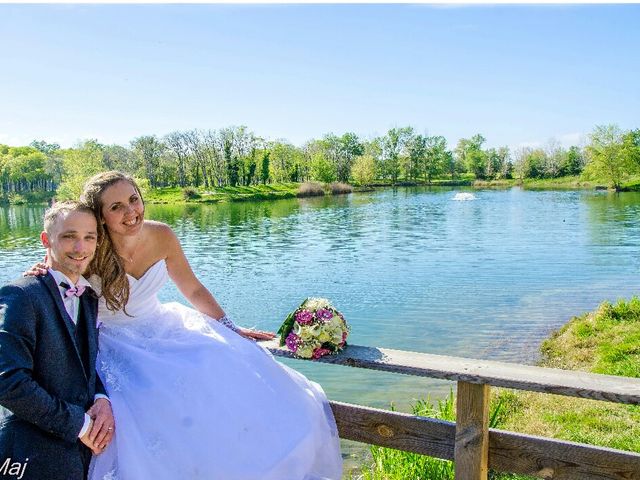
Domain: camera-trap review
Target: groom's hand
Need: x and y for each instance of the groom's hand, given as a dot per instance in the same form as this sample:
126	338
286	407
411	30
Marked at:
103	428
37	269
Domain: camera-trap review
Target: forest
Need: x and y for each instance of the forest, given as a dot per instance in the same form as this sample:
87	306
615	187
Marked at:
236	156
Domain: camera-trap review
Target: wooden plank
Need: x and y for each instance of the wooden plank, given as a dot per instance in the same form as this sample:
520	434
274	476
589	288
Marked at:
402	431
471	451
499	374
508	451
558	459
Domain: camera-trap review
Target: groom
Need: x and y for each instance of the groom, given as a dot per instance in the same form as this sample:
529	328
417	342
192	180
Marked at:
53	410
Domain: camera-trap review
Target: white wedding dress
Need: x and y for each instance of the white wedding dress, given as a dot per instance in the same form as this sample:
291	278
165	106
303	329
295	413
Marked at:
194	400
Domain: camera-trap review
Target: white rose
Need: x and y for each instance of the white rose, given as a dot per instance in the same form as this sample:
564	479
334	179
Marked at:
306	350
335	322
336	336
325	336
304	331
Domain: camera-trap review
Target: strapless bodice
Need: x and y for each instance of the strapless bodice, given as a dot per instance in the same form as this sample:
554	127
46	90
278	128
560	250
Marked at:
143	296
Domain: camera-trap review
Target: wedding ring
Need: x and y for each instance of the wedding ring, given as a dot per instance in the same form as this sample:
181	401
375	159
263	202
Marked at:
110	429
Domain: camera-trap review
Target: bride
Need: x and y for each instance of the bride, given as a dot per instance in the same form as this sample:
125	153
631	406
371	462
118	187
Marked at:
192	396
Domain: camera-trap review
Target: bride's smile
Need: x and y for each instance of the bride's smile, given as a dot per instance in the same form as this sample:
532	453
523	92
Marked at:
123	209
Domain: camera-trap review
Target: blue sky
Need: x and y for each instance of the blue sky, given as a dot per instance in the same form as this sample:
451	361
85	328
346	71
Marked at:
519	75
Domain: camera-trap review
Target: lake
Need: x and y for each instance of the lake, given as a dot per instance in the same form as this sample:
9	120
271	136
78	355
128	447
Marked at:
412	268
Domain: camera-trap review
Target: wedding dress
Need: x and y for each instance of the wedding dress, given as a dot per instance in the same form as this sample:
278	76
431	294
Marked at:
194	400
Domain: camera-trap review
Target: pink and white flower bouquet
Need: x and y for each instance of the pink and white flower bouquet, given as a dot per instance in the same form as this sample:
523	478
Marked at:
314	329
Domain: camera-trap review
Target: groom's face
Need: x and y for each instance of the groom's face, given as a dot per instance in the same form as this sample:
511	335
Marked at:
71	243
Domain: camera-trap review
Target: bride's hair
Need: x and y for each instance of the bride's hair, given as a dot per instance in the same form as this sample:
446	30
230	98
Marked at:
107	264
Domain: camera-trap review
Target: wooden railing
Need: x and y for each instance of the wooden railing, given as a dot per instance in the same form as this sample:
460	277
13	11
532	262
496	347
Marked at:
469	442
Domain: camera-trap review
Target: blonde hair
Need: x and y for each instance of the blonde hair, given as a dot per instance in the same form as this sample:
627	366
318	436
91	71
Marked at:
55	211
107	264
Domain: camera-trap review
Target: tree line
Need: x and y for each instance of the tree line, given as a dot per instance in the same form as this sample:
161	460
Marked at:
236	156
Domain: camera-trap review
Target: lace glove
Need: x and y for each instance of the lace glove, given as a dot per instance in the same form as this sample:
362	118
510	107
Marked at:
227	322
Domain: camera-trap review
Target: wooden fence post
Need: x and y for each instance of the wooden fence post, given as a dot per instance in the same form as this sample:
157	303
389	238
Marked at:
471	453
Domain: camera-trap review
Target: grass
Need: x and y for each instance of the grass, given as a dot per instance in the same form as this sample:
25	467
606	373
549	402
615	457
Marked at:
27	198
175	195
561	183
340	188
179	195
390	464
632	184
310	189
605	341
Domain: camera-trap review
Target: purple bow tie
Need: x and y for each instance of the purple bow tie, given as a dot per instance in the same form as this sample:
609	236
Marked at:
75	290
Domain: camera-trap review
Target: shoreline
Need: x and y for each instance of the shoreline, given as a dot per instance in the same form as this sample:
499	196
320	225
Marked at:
602	341
200	195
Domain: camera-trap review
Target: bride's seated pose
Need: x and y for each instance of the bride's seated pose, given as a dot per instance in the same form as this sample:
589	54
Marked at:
193	395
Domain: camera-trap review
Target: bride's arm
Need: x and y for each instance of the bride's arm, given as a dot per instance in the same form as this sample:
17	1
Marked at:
182	275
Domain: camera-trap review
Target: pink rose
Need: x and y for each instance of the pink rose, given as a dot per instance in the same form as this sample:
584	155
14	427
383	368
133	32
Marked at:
304	316
320	352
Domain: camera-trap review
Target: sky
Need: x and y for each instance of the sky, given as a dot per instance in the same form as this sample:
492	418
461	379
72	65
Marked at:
519	75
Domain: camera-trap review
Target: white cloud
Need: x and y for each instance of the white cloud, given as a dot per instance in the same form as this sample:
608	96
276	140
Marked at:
565	140
570	139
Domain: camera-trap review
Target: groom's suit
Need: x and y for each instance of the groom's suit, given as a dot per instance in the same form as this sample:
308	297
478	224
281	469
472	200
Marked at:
47	379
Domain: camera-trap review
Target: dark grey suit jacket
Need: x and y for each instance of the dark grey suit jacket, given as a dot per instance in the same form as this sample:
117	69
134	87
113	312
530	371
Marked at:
44	386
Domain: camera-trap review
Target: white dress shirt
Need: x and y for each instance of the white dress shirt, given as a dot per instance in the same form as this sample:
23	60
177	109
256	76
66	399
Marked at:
72	305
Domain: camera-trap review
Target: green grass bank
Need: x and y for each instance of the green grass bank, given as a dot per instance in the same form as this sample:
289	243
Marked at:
605	341
180	195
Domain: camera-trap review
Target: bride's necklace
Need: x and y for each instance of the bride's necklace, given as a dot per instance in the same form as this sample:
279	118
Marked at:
130	257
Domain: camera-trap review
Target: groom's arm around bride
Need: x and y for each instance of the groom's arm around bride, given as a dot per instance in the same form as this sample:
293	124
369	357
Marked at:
48	346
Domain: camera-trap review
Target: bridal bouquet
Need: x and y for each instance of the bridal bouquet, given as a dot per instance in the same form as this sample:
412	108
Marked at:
314	329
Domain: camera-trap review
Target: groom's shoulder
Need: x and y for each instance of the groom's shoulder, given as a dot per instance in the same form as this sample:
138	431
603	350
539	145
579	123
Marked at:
30	285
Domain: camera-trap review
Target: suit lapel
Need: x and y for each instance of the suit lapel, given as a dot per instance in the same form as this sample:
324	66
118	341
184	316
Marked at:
62	312
88	309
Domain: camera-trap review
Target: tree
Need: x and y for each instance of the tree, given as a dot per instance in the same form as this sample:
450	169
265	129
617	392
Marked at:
572	162
469	153
520	162
350	147
24	170
322	169
363	170
117	157
504	167
554	156
264	167
177	143
394	148
44	147
194	140
53	164
320	156
414	161
149	149
79	163
283	161
608	158
631	147
535	163
436	157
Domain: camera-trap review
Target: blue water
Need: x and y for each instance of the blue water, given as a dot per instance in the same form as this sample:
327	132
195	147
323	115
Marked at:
411	269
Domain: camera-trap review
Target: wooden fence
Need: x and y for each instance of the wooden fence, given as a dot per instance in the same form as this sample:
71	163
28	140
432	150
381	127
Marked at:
469	442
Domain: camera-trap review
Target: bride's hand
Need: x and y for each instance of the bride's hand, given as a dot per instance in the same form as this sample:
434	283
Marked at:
257	335
36	270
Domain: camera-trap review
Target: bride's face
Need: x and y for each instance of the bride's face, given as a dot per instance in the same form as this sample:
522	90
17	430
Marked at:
122	209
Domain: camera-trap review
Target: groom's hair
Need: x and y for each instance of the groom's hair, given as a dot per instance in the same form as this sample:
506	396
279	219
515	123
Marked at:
58	209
